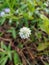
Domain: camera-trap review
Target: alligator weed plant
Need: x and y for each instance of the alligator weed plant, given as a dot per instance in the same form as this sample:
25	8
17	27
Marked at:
24	32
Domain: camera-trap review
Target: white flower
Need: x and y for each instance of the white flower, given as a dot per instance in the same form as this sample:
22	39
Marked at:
7	10
25	33
2	13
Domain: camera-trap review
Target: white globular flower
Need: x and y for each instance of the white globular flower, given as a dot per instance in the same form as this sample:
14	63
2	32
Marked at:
25	33
2	14
7	10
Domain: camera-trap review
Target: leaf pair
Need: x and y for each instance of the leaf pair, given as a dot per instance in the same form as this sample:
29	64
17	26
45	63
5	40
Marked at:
6	53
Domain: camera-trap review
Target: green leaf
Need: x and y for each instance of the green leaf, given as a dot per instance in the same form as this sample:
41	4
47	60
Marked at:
13	32
42	46
45	25
7	50
10	55
1	34
16	59
3	60
2	20
3	46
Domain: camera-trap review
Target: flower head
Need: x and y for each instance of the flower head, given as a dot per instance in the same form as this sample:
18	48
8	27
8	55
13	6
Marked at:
25	33
7	10
2	13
